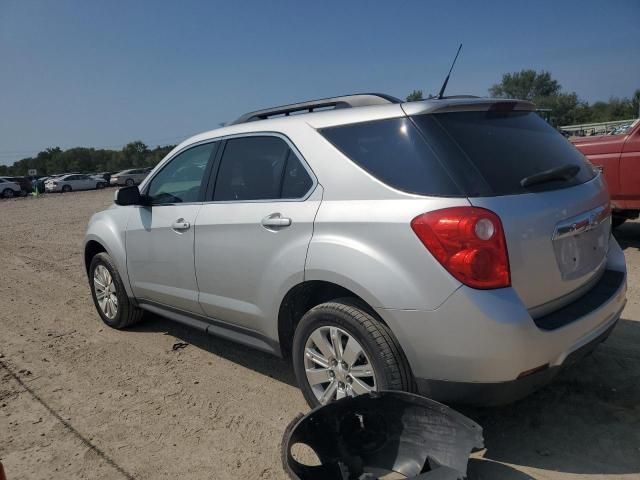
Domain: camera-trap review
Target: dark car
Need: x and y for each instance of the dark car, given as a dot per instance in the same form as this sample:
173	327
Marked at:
105	175
24	182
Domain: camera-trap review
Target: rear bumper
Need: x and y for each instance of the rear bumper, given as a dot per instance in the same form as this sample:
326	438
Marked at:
485	340
501	393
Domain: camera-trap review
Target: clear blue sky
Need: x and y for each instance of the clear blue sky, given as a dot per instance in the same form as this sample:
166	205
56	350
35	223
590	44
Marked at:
103	73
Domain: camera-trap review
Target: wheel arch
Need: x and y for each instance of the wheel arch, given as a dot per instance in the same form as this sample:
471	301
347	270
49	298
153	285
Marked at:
106	233
306	295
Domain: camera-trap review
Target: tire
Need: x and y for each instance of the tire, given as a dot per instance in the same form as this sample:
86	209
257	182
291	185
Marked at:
129	182
7	193
66	188
380	347
126	313
617	221
100	186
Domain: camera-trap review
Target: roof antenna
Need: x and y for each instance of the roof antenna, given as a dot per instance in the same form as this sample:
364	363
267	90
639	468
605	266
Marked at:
446	80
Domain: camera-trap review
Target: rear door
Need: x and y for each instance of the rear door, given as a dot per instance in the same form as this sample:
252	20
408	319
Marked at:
253	232
160	236
85	182
557	231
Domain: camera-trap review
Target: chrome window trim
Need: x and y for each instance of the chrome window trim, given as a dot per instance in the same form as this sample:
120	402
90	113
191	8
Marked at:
144	186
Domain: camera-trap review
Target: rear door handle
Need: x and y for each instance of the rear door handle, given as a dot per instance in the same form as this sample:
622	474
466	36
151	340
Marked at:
276	220
181	224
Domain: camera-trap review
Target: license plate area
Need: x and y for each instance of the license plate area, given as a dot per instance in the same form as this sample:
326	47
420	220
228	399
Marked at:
581	243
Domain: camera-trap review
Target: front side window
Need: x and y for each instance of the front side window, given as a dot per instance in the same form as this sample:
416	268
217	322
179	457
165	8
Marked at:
260	168
180	180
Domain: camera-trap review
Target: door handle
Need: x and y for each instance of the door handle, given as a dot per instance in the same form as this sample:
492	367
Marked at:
276	220
181	224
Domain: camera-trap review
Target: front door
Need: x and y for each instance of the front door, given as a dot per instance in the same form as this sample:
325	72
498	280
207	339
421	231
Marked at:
252	234
160	236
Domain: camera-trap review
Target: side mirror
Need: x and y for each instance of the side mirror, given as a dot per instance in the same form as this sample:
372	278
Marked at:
128	196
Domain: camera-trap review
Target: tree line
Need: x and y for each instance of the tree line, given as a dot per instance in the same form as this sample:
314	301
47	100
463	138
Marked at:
87	160
566	108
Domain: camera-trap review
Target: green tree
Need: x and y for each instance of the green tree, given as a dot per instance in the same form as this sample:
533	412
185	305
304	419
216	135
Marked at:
415	96
526	85
566	108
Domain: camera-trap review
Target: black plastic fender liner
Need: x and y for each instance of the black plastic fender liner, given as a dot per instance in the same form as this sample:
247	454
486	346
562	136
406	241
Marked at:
369	436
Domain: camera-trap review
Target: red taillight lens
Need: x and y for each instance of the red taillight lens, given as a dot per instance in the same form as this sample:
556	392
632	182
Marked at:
469	242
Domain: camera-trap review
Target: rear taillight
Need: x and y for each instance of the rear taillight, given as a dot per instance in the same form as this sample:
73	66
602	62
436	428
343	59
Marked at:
469	242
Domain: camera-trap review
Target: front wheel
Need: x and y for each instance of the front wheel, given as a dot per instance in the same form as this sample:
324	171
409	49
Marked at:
341	350
129	182
7	193
109	295
66	188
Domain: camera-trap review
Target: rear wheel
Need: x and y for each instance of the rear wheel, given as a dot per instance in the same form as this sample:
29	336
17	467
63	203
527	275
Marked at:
340	350
109	295
100	185
66	188
7	193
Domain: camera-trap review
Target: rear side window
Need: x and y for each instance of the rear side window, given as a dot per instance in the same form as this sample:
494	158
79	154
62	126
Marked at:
296	181
395	153
491	152
260	168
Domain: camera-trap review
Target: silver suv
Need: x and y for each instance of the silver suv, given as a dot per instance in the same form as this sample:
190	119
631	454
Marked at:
459	247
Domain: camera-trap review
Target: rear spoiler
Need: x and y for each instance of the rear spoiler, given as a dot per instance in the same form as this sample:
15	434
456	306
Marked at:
467	105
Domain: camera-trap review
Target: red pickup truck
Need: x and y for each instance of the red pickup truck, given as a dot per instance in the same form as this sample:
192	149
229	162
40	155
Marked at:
619	158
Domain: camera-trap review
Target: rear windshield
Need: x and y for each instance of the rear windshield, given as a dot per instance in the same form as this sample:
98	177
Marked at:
461	153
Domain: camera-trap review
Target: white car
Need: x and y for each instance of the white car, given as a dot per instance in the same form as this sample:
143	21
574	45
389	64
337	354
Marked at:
67	183
8	189
130	177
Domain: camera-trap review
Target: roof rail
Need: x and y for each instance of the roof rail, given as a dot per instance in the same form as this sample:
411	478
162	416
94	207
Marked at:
346	101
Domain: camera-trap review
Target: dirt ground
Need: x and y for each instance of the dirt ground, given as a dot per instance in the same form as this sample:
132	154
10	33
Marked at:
80	400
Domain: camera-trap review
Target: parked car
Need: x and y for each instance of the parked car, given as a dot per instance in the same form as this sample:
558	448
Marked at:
23	182
618	156
8	188
38	183
67	183
457	246
130	177
104	176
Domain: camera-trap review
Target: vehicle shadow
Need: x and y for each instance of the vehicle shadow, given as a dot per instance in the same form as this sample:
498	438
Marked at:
628	235
586	422
263	363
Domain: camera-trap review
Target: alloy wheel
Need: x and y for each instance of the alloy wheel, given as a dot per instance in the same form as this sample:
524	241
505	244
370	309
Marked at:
105	290
336	365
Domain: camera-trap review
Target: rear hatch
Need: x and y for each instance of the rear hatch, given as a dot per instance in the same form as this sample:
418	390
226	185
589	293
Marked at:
557	225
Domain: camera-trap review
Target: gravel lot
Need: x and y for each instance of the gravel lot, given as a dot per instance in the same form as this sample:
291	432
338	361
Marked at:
79	400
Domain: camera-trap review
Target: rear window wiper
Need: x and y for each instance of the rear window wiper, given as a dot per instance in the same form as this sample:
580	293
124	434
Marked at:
564	173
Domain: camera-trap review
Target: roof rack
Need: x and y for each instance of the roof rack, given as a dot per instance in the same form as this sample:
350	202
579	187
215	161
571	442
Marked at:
346	101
